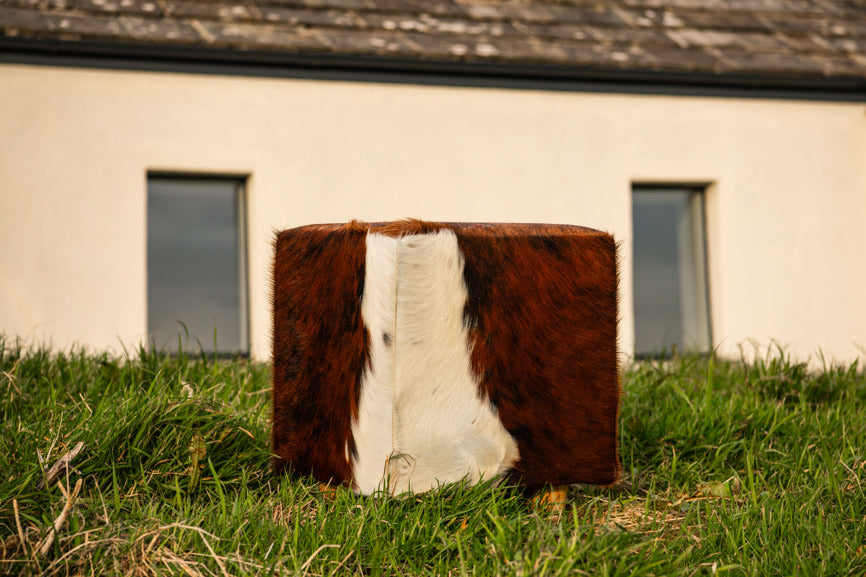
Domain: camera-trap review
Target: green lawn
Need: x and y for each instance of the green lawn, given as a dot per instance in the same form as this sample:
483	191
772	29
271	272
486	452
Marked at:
728	467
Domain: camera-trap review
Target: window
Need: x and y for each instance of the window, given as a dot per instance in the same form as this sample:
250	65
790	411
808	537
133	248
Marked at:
196	269
670	279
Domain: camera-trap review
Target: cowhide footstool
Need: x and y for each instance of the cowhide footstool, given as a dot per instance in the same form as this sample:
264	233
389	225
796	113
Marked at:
412	354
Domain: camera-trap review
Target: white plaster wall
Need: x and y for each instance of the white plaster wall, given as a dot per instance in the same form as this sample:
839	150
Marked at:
786	209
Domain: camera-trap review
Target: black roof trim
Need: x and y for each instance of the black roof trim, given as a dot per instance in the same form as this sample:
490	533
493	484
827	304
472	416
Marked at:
127	56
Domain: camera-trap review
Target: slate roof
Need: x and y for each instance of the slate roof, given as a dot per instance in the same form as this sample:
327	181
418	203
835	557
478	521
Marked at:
820	39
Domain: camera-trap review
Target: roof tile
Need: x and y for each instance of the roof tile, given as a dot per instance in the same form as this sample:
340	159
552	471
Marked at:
821	38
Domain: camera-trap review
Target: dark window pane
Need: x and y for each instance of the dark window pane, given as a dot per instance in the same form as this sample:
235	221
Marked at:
670	295
195	264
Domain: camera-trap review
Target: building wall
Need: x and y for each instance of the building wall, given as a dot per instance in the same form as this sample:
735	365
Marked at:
786	205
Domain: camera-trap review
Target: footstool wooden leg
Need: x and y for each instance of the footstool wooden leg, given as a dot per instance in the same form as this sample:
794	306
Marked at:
328	490
551	499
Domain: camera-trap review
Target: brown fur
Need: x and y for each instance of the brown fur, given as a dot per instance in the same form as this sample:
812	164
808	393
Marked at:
542	313
320	348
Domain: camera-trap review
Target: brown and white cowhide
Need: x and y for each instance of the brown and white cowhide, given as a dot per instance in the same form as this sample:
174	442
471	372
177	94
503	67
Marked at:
410	355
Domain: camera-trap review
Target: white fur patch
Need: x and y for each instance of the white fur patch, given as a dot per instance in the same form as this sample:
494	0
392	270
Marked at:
441	429
372	432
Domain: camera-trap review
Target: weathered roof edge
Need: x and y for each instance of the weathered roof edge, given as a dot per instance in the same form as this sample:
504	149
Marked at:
129	56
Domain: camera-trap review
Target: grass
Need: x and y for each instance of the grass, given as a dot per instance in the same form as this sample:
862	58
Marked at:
728	468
